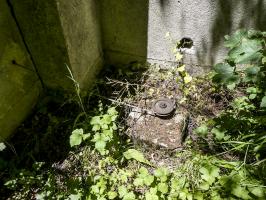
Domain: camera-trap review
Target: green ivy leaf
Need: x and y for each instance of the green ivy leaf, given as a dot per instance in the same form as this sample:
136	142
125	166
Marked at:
76	137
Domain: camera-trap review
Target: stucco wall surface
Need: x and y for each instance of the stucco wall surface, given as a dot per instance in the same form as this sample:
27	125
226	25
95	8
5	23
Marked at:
206	22
127	29
19	84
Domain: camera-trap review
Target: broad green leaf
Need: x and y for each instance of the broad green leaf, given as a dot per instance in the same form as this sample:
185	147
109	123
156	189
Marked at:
163	188
224	68
209	173
95	120
122	191
138	182
202	130
75	196
257	191
150	196
96	127
204	185
107	119
225	74
264	60
100	145
187	79
240	192
198	196
263	102
85	136
136	155
162	173
181	68
219	134
129	196
251	74
178	56
252	96
235	39
251	90
112	111
76	137
246	52
112	194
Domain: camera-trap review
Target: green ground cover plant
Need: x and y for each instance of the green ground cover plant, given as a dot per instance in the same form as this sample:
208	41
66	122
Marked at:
224	157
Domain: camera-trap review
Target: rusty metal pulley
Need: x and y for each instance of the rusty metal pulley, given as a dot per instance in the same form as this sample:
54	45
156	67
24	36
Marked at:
163	107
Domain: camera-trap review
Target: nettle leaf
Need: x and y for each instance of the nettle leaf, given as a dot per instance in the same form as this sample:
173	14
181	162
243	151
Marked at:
247	51
209	173
136	155
76	137
162	173
263	102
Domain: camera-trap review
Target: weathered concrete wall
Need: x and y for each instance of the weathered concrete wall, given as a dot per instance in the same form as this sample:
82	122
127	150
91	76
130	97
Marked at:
19	84
124	30
128	30
61	32
81	27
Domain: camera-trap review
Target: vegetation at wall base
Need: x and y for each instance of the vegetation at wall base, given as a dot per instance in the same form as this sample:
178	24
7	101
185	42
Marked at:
77	155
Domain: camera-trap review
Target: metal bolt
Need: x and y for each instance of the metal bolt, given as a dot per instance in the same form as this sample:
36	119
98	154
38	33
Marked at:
163	105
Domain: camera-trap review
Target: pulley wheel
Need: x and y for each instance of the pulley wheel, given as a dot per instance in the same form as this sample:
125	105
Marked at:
163	107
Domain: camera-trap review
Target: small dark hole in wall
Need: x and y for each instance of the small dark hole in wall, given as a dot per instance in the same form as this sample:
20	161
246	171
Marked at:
14	62
185	42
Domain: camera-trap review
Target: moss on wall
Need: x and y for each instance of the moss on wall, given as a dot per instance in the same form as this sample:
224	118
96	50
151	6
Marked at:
19	84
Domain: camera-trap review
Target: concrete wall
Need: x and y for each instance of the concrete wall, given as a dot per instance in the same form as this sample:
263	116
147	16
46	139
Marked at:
60	32
128	30
19	84
124	30
38	39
